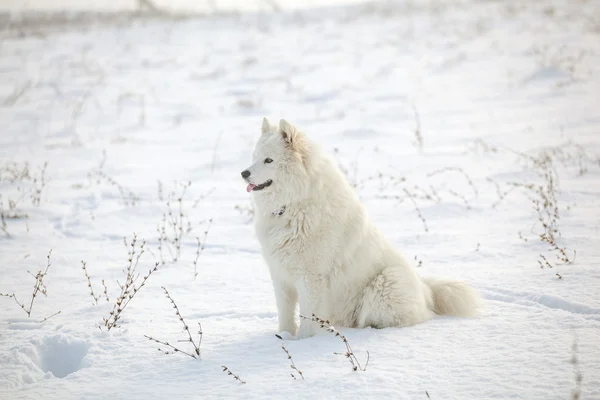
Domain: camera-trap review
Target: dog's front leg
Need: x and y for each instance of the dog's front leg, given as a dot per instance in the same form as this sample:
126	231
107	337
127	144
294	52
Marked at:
286	297
308	301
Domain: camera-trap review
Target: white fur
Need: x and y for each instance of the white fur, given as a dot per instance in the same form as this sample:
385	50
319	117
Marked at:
325	254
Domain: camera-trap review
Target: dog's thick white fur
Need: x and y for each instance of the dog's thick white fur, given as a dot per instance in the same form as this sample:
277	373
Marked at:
323	251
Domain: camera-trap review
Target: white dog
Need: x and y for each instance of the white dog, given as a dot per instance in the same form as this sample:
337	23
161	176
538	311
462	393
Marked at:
323	251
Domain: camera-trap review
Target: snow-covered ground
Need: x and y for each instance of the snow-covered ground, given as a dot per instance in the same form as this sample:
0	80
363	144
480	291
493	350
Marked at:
434	109
172	5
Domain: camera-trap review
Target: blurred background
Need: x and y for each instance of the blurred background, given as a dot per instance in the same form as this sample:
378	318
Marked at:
170	5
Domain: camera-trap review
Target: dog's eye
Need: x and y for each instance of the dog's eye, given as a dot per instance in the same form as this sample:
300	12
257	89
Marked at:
268	161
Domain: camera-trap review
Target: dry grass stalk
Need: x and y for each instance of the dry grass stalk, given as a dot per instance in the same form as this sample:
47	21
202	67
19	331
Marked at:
418	134
196	351
545	203
545	262
105	292
351	174
17	93
38	183
129	198
543	194
247	210
576	392
429	194
174	224
418	192
161	196
200	247
460	196
89	280
129	288
419	262
349	354
174	349
39	287
417	209
421	194
289	356
236	377
50	316
203	196
460	171
501	193
480	146
26	183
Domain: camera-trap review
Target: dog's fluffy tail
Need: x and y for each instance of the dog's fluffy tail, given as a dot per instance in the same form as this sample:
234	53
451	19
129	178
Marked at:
454	298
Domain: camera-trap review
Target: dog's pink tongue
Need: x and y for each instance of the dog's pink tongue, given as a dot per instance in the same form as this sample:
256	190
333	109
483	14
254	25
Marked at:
249	187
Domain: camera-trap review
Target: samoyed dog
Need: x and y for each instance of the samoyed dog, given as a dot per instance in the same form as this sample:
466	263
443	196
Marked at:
324	253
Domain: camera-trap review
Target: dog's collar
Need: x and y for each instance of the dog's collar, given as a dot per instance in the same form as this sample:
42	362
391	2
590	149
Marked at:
278	212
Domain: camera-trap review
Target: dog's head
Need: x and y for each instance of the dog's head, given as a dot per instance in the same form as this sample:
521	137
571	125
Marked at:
278	162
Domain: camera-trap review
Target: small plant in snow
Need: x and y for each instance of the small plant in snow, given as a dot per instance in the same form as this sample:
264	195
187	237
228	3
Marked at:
236	377
349	354
196	346
95	296
89	280
129	288
98	175
175	224
461	172
576	392
418	134
20	181
543	192
246	210
39	287
200	247
289	356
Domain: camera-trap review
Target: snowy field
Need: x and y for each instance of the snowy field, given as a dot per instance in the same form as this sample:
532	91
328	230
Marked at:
470	129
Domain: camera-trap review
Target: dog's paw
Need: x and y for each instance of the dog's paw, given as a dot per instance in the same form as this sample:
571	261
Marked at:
306	330
285	335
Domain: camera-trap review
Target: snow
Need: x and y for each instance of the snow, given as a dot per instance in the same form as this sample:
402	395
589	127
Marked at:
120	111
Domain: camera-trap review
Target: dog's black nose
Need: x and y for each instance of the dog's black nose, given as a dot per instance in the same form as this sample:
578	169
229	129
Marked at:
245	174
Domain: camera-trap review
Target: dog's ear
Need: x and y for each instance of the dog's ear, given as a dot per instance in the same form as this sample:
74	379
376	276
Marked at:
288	132
266	126
293	139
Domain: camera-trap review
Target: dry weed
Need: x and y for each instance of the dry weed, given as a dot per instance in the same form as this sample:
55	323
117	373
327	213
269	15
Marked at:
129	288
349	354
195	353
39	287
289	356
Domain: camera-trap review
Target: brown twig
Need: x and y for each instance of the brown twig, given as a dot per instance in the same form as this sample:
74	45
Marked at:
349	354
39	287
289	356
89	280
105	291
236	377
50	316
185	326
175	224
418	134
417	209
200	248
129	288
175	349
459	170
576	392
